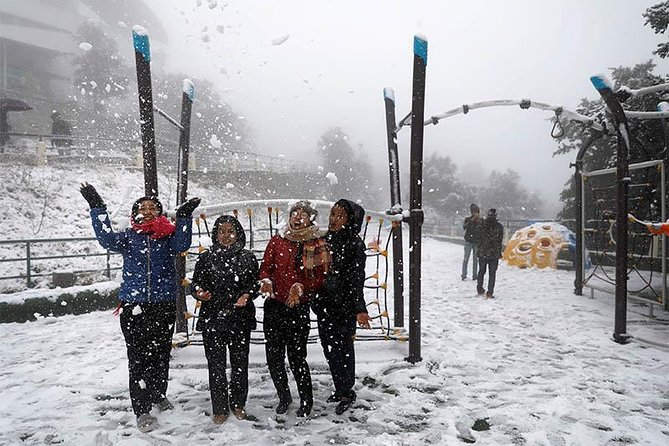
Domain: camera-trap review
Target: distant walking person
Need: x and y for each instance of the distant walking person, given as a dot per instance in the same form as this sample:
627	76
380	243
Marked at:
59	126
147	294
472	227
490	251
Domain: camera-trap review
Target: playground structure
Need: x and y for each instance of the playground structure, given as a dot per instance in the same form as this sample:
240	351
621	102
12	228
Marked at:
414	215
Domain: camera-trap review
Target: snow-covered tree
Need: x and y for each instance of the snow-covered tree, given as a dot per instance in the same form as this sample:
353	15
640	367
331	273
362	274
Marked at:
350	172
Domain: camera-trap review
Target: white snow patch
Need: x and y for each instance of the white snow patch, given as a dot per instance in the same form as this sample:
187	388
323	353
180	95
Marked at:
332	178
279	40
136	310
85	46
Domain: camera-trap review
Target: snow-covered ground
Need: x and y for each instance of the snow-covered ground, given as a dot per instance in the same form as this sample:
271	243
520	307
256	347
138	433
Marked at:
537	364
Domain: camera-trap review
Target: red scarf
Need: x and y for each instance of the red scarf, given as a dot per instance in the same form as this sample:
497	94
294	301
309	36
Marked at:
159	227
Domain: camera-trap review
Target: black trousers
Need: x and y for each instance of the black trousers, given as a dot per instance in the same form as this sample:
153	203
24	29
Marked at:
336	337
287	330
218	339
148	329
491	264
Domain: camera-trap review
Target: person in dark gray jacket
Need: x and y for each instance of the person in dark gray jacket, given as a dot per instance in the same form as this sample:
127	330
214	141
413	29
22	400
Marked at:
490	251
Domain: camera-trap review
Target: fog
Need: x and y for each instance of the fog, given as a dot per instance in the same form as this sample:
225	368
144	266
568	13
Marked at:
293	69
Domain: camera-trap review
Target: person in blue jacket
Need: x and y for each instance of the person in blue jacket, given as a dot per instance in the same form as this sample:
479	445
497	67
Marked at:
148	292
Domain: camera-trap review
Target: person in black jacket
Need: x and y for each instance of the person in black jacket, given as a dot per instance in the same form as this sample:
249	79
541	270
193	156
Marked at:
59	126
490	251
472	227
225	280
341	303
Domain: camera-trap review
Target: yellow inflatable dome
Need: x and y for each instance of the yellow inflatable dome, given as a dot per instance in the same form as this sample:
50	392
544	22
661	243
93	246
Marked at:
541	245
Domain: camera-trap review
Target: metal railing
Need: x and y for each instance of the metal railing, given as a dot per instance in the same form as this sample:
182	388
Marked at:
30	258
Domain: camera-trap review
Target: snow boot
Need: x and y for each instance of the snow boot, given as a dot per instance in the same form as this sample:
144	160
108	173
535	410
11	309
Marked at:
345	403
146	422
488	295
333	398
165	404
220	418
239	413
304	410
283	406
480	290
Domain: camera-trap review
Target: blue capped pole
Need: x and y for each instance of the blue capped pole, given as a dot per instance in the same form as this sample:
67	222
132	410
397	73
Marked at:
416	195
140	40
187	98
396	207
603	86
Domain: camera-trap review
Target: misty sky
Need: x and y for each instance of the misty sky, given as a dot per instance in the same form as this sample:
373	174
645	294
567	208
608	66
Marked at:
339	55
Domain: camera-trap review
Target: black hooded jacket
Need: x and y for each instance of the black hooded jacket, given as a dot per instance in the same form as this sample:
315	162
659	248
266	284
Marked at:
491	239
343	296
227	273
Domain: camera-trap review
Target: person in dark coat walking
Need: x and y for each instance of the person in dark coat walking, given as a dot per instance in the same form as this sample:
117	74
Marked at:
59	126
342	303
490	250
148	292
472	227
226	281
292	274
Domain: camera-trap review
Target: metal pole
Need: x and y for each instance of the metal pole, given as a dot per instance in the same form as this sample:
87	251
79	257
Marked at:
579	213
604	88
140	40
416	196
396	208
182	190
108	265
663	191
28	281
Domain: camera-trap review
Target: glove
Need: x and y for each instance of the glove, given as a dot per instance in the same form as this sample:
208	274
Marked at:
91	195
186	209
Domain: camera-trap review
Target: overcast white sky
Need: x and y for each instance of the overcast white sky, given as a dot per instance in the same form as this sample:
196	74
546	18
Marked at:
341	54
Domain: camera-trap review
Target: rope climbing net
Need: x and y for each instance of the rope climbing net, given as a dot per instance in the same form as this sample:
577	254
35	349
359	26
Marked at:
646	278
263	219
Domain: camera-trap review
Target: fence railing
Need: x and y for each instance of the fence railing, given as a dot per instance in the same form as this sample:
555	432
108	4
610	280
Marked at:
29	258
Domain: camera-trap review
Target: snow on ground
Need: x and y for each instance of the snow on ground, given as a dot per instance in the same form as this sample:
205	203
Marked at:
537	364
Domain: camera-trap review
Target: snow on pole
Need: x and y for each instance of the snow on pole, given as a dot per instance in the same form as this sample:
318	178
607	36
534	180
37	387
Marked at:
604	87
396	207
140	39
664	107
416	195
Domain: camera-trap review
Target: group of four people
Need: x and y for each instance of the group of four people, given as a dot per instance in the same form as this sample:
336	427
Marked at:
303	268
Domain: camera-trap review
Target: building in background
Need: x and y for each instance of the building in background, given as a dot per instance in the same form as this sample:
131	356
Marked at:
38	47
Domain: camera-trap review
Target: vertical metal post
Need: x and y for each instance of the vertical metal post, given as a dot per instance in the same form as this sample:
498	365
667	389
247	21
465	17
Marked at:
416	196
664	238
140	40
28	278
604	88
108	265
396	208
187	97
579	214
579	263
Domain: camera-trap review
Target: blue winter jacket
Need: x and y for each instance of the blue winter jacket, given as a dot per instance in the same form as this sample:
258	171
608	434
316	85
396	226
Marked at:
149	273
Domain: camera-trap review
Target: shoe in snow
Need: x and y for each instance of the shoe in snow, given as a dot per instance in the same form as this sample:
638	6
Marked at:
480	290
220	418
345	404
489	295
333	398
304	410
146	422
283	406
239	413
165	404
